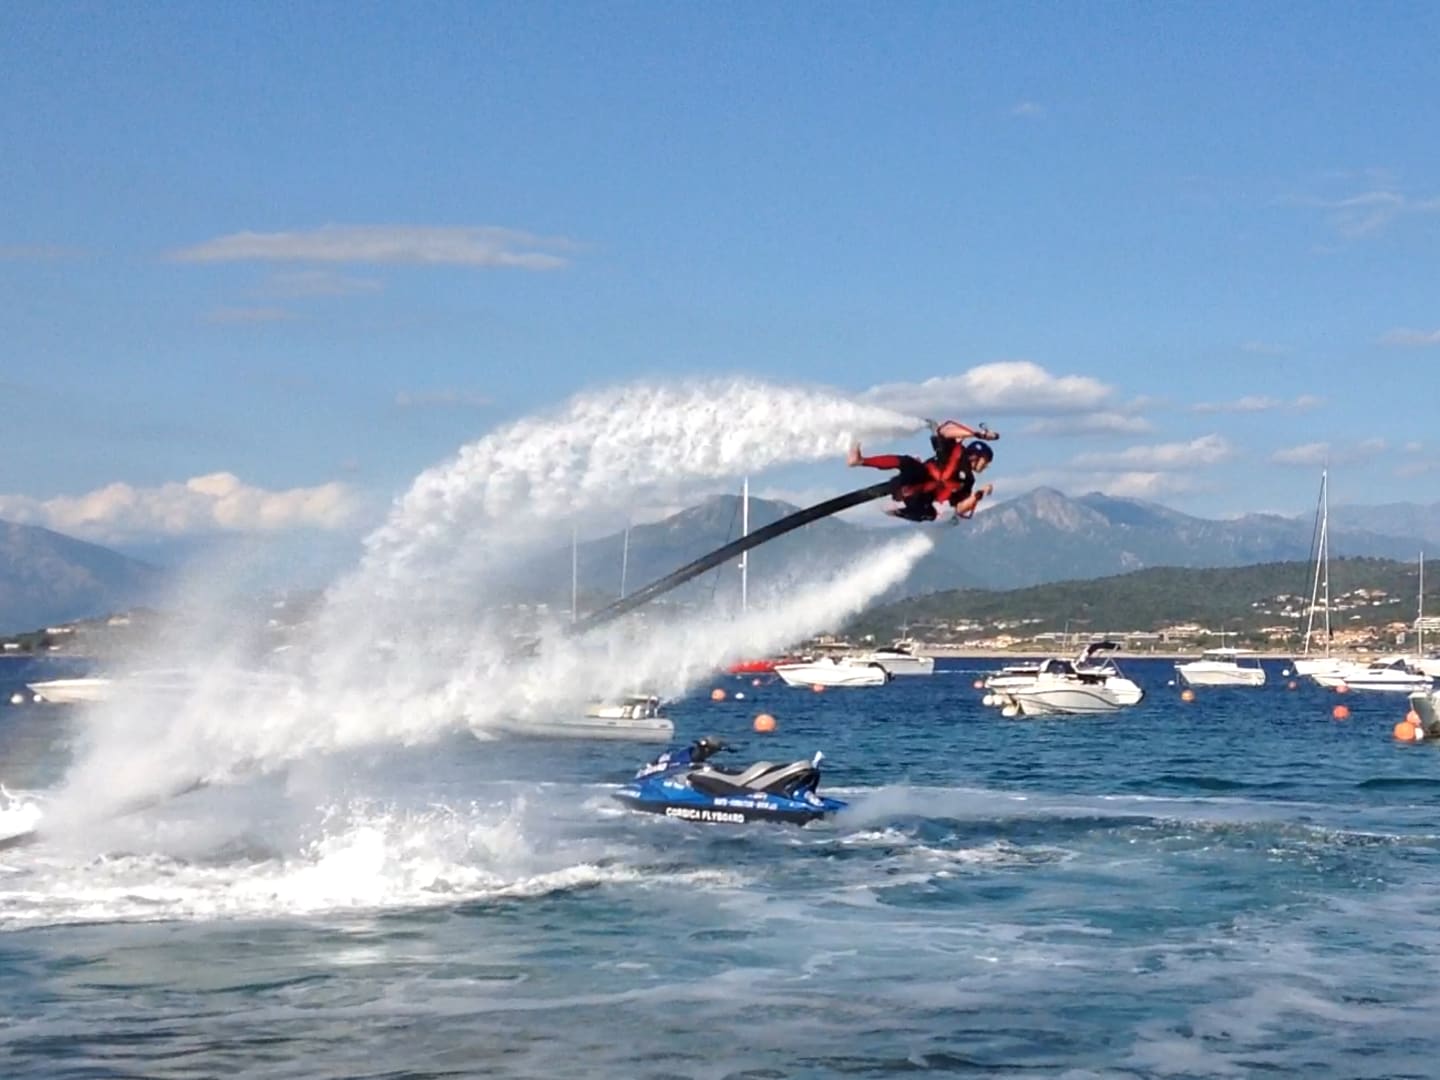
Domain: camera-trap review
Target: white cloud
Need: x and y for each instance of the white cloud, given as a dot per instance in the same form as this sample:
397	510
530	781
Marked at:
1369	212
1307	454
1319	454
1145	485
217	502
321	283
1018	387
1161	457
1417	468
425	399
463	245
1259	403
1096	423
1411	338
1028	110
231	315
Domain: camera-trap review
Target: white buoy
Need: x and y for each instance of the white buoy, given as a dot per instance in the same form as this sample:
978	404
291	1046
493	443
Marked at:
1010	710
739	695
17	698
988	699
1285	672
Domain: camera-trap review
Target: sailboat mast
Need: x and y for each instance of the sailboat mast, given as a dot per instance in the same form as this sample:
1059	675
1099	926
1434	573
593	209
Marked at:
624	560
1319	540
745	558
1325	549
1420	612
574	573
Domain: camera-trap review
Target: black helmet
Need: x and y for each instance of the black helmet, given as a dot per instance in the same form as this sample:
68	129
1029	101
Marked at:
705	746
981	450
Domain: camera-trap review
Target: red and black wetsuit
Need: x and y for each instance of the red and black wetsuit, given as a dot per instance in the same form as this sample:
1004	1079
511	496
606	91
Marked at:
946	477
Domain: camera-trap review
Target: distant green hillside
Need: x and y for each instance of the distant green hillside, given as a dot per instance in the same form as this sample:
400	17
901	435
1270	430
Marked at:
1231	598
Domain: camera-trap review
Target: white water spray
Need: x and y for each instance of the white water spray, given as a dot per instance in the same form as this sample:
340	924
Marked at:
407	647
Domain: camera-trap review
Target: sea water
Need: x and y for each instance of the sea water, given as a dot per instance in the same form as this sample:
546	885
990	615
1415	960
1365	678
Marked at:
1233	886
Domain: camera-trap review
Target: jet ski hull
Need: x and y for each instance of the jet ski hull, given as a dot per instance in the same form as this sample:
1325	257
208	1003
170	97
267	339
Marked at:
681	784
687	804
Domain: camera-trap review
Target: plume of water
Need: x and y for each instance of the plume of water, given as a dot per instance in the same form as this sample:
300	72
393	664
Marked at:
408	646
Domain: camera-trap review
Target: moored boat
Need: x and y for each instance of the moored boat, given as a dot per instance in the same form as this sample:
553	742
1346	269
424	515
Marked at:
829	671
1222	667
898	658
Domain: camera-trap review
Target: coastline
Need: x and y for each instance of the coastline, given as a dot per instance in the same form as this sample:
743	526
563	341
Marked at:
976	653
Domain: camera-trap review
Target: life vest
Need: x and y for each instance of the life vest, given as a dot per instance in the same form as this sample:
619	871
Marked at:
943	478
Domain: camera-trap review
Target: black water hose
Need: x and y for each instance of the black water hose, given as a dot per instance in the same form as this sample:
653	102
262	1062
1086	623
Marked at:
640	597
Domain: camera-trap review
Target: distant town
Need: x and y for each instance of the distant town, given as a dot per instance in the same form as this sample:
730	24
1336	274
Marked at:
1363	619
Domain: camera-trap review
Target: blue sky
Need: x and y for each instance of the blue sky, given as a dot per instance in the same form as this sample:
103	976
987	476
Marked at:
263	263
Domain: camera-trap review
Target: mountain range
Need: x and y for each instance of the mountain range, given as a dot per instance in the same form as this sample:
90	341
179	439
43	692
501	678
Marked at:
1039	537
47	577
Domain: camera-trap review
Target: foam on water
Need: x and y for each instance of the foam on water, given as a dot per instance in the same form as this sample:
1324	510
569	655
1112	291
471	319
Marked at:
359	856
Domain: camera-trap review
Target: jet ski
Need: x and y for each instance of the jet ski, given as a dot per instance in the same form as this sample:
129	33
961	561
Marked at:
682	784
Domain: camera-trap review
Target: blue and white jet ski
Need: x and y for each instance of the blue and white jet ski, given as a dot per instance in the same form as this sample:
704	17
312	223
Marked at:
681	784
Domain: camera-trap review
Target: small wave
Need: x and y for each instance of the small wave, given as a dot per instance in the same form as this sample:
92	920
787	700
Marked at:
1399	783
1193	782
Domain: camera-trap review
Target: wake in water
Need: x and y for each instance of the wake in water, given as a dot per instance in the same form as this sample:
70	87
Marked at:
411	644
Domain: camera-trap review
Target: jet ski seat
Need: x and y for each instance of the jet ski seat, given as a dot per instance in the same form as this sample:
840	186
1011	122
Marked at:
763	776
781	778
742	779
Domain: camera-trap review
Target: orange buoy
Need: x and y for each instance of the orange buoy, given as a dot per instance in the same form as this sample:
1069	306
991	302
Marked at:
1340	712
1404	731
819	688
1341	688
764	723
1187	694
717	694
1412	717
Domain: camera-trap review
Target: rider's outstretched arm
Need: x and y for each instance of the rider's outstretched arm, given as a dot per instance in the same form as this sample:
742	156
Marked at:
953	429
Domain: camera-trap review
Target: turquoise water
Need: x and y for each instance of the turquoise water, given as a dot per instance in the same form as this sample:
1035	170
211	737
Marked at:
1231	887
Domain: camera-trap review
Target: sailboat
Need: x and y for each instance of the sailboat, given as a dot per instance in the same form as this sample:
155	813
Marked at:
638	717
1323	664
1428	666
754	665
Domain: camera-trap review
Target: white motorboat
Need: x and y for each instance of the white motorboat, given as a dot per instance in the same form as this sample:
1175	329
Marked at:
82	690
92	689
1063	688
1009	677
828	671
1389	673
1020	676
1222	667
634	718
1425	704
899	658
